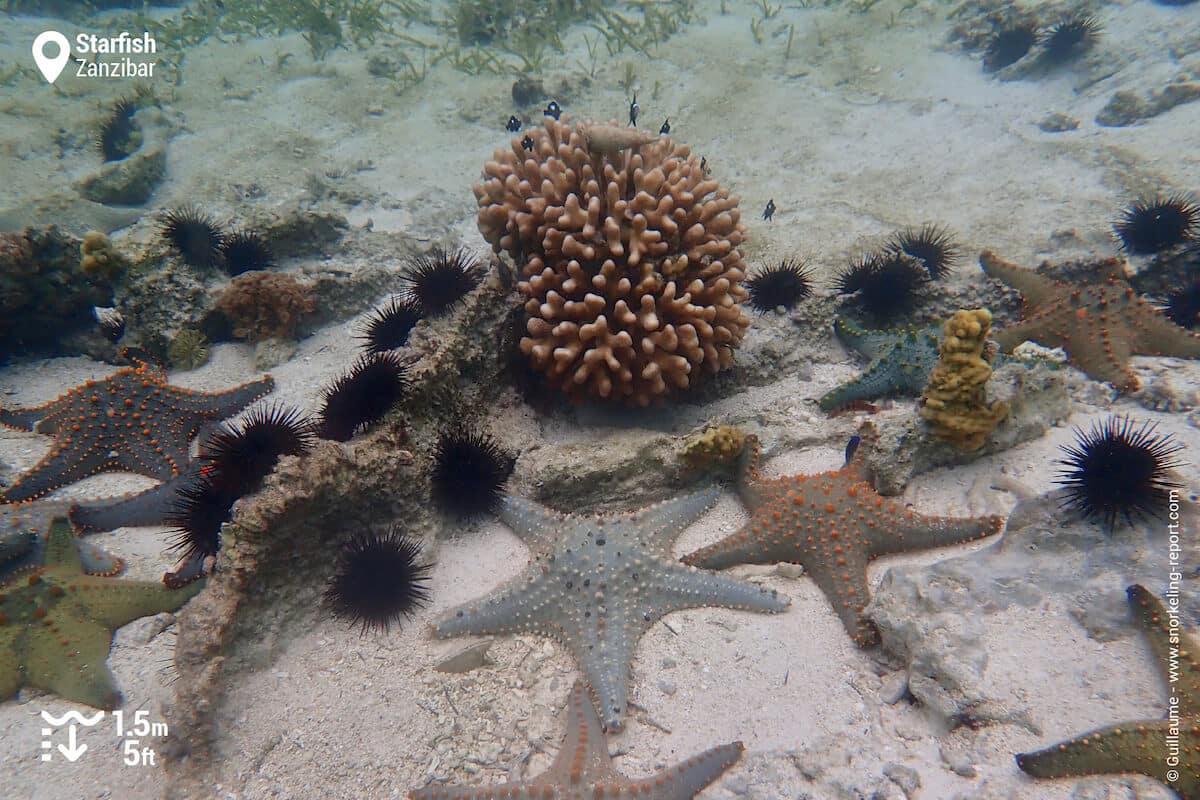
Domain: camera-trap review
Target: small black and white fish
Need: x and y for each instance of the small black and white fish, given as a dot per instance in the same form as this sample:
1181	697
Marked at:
666	127
704	165
553	109
513	125
527	143
633	111
769	211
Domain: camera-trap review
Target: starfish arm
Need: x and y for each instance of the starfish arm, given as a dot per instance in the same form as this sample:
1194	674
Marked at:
62	465
150	507
10	665
841	575
747	479
71	661
742	547
871	343
1139	747
584	750
1171	648
203	406
535	524
26	419
1156	334
1035	288
687	587
1030	330
900	530
1103	355
686	779
14	544
522	605
114	603
62	551
660	524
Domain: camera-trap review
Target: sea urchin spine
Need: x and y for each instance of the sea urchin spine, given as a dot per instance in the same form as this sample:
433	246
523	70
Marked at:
781	286
363	395
378	580
469	470
1118	468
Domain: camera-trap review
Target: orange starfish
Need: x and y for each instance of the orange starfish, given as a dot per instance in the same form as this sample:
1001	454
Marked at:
582	770
832	523
1098	325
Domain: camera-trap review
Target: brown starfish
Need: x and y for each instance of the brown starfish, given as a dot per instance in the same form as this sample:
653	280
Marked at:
1166	749
131	421
582	770
1098	325
833	523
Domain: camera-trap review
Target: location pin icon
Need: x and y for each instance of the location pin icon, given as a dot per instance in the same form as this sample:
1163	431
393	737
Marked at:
51	67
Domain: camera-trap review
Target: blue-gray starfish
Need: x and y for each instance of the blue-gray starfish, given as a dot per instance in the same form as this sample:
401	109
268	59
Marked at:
597	583
24	530
901	361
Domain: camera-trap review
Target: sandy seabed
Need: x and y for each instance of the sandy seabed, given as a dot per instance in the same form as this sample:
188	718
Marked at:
874	123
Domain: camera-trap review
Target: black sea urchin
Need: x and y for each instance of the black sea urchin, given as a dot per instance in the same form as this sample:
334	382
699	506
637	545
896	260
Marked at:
196	515
241	454
438	282
784	285
1154	224
363	395
118	134
243	251
1009	45
1070	36
932	245
388	327
1118	468
469	469
192	234
887	283
378	580
1183	305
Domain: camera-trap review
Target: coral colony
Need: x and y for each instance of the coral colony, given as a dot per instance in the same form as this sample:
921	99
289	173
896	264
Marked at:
618	260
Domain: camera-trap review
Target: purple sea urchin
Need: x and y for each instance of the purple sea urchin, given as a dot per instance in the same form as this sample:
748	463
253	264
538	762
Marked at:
192	234
1070	36
378	580
438	282
1153	224
362	396
783	285
118	135
1118	468
243	453
1009	45
468	472
245	250
887	283
1183	305
388	327
932	245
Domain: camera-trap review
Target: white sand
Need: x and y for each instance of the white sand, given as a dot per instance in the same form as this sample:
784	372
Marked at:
881	127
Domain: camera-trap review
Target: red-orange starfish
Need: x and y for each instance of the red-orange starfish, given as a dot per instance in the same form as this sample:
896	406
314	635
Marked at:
1098	325
833	523
132	421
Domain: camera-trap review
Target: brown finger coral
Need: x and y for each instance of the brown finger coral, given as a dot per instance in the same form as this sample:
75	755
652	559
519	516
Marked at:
629	257
954	403
261	304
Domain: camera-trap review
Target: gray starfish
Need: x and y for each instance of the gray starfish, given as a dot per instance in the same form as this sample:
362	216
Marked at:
597	583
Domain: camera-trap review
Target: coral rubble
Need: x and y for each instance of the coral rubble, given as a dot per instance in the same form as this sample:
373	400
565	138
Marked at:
629	258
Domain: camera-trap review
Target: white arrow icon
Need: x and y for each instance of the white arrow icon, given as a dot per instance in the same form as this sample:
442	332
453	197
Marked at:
70	750
51	67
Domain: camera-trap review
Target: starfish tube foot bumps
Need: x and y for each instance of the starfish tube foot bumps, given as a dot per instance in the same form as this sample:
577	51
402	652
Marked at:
833	523
131	421
56	623
598	583
1166	749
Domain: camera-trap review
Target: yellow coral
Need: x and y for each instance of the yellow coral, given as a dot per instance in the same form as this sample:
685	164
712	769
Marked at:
97	256
954	402
716	445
